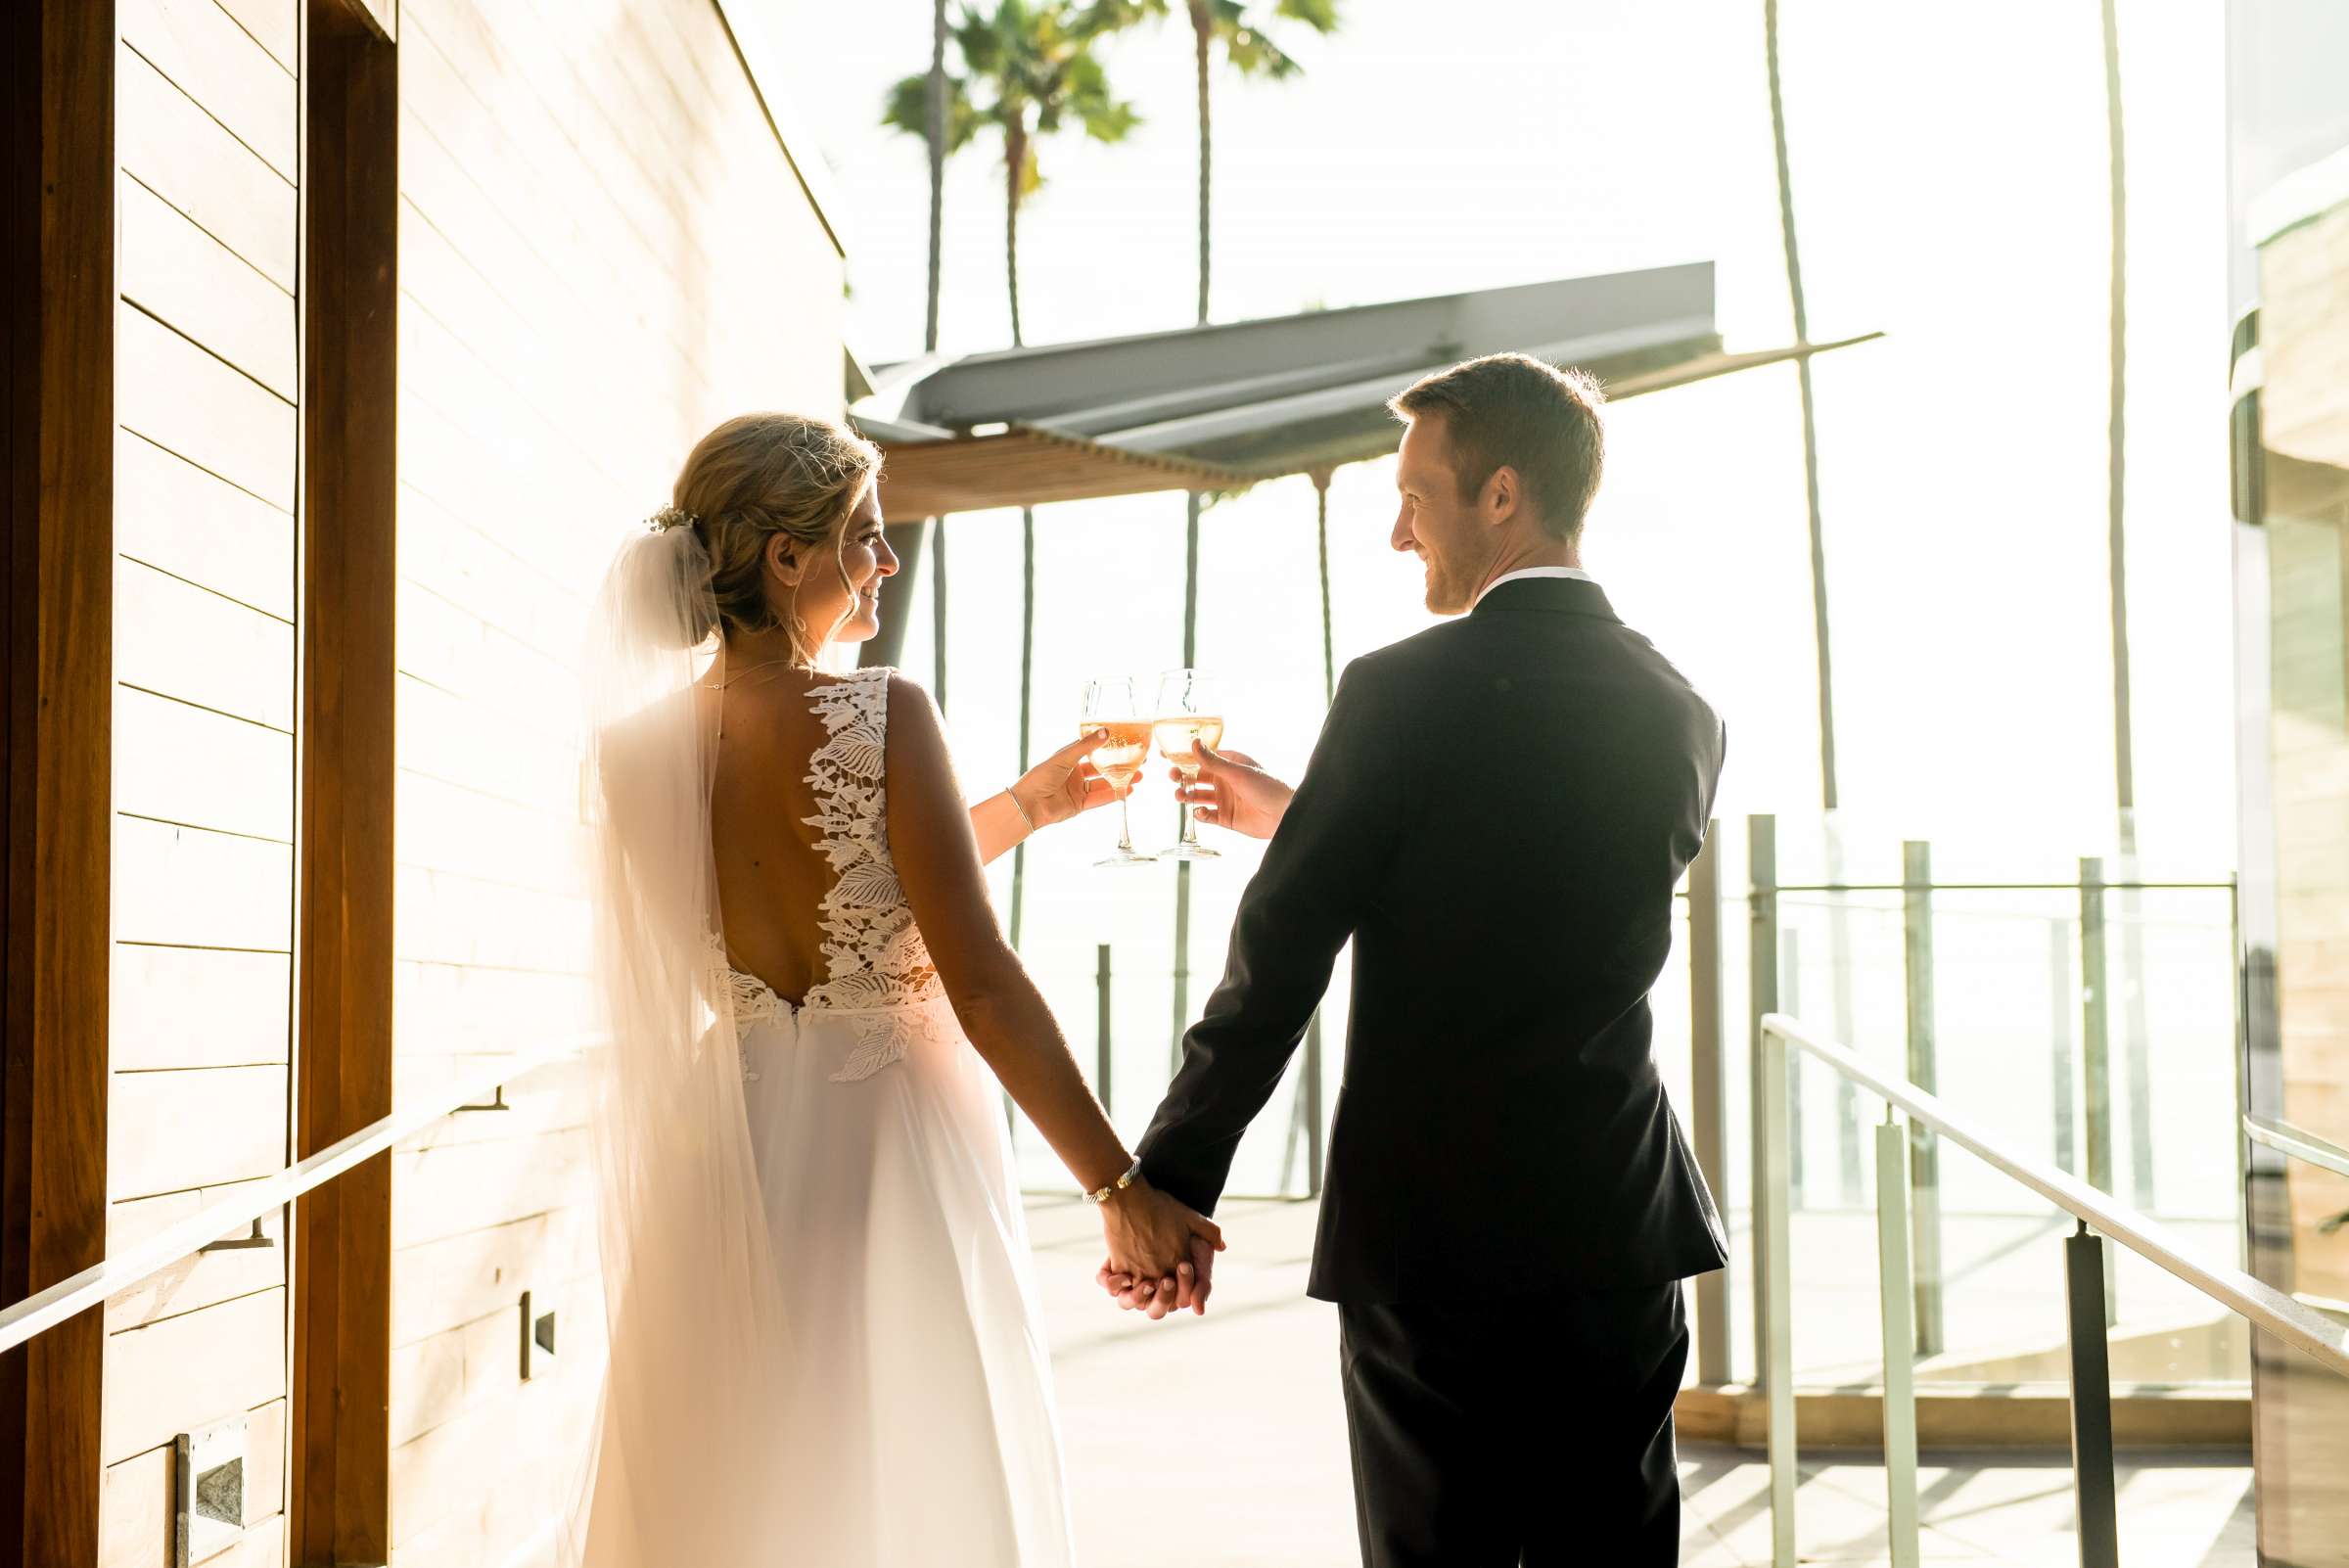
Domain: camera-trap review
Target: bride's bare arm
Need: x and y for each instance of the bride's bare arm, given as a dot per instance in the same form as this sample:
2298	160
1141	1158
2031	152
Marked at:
1054	790
937	855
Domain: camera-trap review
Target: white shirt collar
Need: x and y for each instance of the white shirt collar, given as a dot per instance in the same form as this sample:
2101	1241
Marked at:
1574	574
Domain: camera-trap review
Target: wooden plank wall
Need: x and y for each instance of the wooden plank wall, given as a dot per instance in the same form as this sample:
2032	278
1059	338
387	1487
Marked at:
207	116
603	253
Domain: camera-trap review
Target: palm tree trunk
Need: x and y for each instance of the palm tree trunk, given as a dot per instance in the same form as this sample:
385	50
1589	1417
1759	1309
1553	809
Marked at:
2124	740
1802	334
1015	165
928	537
2123	762
1839	930
1201	37
938	164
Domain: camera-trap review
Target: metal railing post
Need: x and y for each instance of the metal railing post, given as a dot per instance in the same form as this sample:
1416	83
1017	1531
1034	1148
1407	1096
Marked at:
1762	985
1102	1054
2065	1064
1777	1295
1925	1155
2095	1042
1897	1285
1708	1092
1790	1002
2086	1259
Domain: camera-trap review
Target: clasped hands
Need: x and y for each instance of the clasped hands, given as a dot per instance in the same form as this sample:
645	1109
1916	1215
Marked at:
1162	1253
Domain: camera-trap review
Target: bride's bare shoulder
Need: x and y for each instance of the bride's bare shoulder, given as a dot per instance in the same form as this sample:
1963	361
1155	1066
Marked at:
917	733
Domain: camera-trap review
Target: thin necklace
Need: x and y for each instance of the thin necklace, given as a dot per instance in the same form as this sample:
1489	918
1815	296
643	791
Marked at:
722	685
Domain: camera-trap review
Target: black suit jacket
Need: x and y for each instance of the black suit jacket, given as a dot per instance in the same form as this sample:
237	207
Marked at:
1496	812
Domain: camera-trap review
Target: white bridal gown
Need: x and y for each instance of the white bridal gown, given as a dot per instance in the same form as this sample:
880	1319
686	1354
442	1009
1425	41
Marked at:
922	1429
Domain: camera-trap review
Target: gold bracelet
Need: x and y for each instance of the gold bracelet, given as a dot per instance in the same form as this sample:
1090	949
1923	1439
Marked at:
1014	797
1132	1174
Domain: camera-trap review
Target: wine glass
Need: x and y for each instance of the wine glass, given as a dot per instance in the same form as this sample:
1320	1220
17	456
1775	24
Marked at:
1190	714
1109	705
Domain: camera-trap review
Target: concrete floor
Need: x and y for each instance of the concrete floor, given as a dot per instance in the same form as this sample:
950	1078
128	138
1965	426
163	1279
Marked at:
1220	1442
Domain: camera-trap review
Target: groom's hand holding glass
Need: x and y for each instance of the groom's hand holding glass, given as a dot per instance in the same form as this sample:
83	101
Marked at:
1232	792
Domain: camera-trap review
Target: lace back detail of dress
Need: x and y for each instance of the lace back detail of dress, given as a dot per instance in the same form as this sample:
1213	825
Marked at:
878	969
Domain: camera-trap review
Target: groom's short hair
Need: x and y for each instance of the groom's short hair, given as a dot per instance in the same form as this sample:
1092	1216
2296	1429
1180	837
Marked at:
1517	411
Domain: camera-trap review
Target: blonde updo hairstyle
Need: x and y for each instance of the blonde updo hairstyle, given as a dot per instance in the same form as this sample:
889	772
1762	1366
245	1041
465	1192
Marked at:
754	477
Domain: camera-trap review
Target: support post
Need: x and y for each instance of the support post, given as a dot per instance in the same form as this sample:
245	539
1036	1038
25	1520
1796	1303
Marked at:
1897	1285
1762	982
2096	1041
58	231
937	611
2085	1259
1102	1056
1777	1295
1924	1158
887	649
1182	870
338	1492
1019	856
1708	1085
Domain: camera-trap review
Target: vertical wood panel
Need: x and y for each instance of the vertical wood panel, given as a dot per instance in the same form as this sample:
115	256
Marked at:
57	335
341	1493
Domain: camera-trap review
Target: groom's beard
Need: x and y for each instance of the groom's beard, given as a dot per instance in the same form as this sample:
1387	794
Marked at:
1451	592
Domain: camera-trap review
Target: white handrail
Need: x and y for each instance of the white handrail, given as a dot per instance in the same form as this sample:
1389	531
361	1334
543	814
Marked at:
2262	1305
78	1293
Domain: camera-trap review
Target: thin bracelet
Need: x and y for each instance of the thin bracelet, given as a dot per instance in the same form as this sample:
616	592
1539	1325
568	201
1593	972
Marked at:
1014	797
1132	1174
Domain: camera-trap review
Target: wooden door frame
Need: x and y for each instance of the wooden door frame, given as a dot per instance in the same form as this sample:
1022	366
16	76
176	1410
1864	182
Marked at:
56	449
339	1421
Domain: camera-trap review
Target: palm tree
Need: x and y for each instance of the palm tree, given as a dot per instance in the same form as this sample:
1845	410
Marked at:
1248	49
1030	73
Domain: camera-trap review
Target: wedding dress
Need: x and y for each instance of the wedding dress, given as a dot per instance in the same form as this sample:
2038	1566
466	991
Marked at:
826	1345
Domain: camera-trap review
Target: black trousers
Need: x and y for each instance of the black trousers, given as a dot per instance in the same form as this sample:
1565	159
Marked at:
1519	1434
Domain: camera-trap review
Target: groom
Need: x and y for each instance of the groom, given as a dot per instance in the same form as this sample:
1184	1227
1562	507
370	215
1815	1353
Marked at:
1496	813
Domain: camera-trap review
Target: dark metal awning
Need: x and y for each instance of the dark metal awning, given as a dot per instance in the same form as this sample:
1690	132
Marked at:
1222	407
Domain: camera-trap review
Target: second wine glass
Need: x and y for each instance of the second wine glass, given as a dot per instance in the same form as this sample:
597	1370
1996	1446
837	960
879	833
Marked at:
1190	714
1110	705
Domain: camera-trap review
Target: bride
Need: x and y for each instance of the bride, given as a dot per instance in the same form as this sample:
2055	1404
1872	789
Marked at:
824	1346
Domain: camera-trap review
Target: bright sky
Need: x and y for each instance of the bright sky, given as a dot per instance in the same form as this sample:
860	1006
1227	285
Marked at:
1949	172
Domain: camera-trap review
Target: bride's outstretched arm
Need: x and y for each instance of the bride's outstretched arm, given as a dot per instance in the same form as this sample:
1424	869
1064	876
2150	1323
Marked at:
1054	790
937	855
